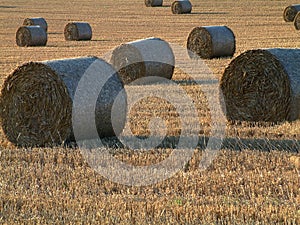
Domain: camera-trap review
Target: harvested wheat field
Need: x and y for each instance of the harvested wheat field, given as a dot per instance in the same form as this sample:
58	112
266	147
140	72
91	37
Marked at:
254	178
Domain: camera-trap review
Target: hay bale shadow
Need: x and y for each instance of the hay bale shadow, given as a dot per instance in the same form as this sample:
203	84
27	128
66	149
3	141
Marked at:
7	7
236	144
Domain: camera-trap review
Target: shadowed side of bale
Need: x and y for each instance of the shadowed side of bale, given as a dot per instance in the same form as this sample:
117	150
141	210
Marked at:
211	41
181	7
153	3
37	98
31	36
297	21
263	85
78	31
290	12
143	58
39	21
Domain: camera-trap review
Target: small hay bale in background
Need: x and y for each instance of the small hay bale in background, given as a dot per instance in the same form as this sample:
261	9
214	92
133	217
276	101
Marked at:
37	98
39	21
143	58
290	12
78	31
181	7
263	85
31	36
297	21
211	42
153	3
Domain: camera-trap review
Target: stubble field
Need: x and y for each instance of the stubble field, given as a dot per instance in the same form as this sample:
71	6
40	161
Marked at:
253	180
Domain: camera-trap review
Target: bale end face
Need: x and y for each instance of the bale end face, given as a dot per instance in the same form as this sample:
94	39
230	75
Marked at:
36	108
31	36
297	21
199	43
256	88
181	7
128	61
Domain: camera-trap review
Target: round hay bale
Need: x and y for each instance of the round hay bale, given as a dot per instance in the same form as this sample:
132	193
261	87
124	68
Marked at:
31	36
297	21
143	58
37	98
78	31
290	12
153	3
181	7
211	42
39	21
263	85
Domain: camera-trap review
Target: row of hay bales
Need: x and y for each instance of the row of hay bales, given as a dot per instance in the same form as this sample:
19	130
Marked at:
177	7
34	32
37	98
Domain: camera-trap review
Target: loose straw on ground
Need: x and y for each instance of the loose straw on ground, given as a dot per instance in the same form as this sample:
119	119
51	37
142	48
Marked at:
39	21
181	7
78	31
143	58
153	3
290	12
36	101
211	42
263	85
31	36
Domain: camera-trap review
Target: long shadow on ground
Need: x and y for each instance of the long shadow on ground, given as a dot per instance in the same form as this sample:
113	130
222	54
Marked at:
237	144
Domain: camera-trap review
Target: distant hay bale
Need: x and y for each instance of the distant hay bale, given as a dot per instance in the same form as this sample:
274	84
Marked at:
263	85
143	58
153	3
211	42
39	21
181	7
36	101
297	21
290	12
31	36
78	31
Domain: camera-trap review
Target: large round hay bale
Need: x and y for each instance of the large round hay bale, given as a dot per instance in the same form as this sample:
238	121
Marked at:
297	21
31	36
143	58
211	42
181	7
78	31
290	12
153	3
37	98
39	21
263	85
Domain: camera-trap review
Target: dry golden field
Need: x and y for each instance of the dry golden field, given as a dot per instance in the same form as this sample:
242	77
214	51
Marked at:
254	180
